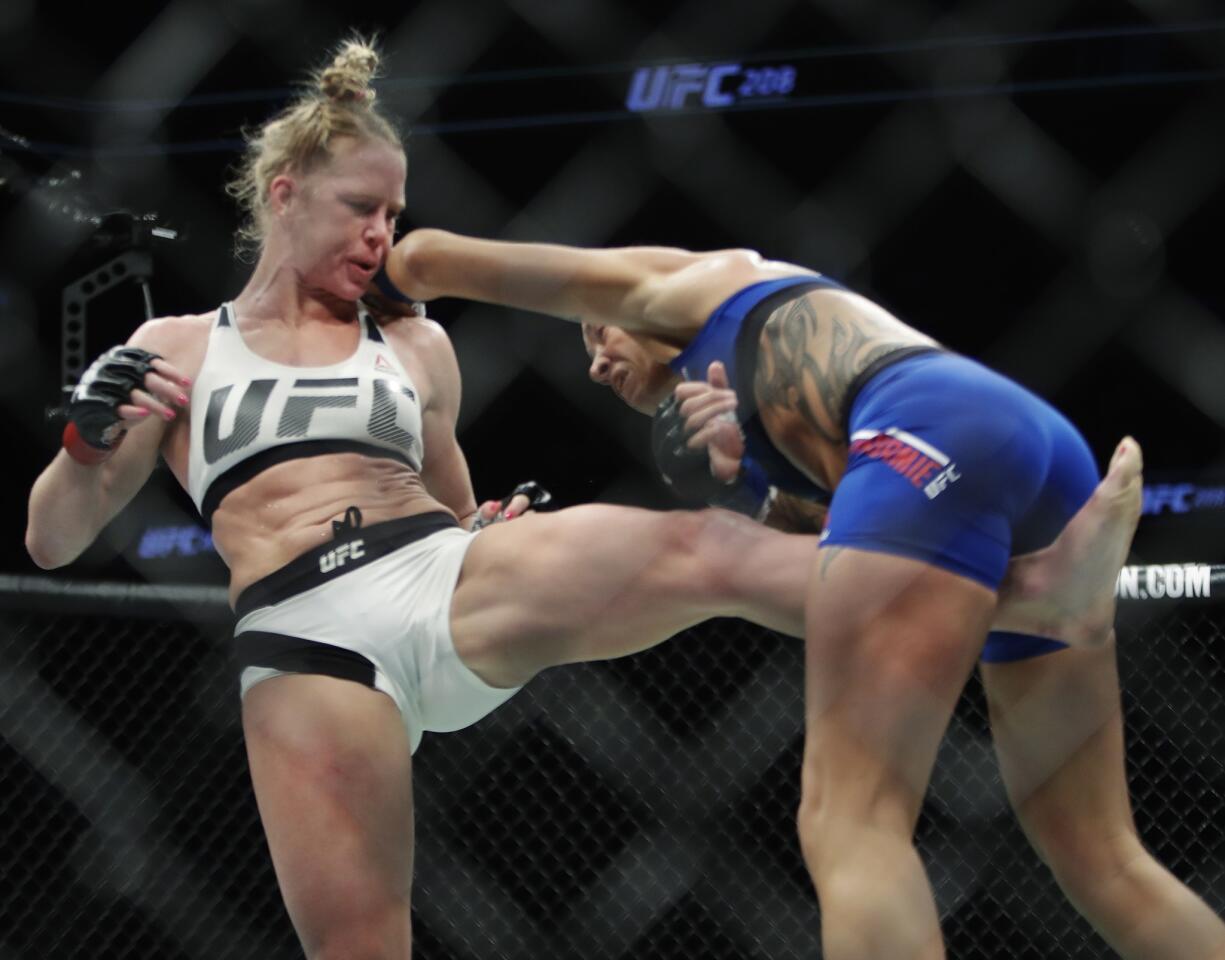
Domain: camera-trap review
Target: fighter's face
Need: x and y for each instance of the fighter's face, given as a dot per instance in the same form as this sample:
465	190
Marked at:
620	361
339	219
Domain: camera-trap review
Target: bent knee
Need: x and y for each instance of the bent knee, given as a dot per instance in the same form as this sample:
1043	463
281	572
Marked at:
832	829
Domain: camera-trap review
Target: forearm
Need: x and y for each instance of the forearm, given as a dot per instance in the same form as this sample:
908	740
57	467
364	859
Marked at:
595	286
68	508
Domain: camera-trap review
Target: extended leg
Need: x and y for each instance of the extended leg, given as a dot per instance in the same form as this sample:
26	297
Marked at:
1057	722
890	644
331	765
598	582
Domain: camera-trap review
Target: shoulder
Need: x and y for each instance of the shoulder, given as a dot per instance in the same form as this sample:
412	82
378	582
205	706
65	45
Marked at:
418	336
688	296
182	340
173	333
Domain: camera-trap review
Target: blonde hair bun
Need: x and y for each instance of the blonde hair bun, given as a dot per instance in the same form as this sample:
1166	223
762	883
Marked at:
348	76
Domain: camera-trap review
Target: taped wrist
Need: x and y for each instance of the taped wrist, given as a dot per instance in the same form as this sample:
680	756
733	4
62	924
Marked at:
94	430
687	471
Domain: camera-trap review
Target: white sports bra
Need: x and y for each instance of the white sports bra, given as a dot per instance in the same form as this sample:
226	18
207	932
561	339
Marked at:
249	413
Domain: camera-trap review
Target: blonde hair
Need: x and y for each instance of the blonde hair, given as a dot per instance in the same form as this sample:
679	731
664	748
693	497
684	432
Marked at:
338	102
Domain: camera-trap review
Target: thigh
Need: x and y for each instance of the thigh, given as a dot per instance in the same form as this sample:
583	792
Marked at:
890	643
596	582
1058	730
331	766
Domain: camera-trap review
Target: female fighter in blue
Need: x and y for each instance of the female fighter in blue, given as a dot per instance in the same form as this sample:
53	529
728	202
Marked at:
958	504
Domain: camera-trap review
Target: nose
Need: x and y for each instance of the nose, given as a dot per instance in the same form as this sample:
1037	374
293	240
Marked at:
379	233
600	368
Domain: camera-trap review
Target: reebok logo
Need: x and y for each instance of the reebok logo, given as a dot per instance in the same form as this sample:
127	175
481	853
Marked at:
336	558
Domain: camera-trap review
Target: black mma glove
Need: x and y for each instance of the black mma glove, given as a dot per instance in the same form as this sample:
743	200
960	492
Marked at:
687	471
94	430
537	496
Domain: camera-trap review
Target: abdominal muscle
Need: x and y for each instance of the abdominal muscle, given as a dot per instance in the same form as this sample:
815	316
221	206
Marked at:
288	509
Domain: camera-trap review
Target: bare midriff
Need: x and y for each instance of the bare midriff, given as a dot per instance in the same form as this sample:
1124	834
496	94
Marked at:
288	509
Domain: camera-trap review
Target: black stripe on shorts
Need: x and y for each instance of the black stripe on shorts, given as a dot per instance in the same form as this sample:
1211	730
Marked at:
258	648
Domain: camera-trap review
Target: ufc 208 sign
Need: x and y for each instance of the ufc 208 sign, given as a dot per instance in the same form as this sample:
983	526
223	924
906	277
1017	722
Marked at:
712	86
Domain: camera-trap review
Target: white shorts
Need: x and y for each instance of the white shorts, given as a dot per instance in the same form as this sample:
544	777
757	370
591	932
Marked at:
372	606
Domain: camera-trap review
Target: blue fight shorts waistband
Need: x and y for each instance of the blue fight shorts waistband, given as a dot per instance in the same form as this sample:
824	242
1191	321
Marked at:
877	366
352	549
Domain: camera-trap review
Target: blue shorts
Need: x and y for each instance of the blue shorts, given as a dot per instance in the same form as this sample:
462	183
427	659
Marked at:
955	465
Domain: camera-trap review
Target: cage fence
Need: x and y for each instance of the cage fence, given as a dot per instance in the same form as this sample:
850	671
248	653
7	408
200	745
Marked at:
636	808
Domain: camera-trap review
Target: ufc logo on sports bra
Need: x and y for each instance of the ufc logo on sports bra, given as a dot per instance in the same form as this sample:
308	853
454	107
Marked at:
294	419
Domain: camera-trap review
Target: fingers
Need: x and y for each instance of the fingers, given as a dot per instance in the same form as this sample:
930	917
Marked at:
716	375
129	415
146	401
491	511
517	506
170	372
721	435
699	411
687	389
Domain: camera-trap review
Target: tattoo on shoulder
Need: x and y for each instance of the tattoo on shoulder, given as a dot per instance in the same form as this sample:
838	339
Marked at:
807	362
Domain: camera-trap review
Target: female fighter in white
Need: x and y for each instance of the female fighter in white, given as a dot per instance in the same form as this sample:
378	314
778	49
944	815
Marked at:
958	504
320	444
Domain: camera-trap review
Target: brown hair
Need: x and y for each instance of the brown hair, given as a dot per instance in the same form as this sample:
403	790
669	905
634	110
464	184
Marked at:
338	102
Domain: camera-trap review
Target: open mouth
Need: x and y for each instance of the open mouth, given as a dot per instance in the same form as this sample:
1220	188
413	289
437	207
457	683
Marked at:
618	382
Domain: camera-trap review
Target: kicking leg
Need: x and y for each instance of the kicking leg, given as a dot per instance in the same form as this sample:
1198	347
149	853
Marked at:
890	644
331	765
598	582
1058	728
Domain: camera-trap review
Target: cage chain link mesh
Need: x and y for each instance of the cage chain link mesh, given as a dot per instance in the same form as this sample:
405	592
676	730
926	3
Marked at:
641	808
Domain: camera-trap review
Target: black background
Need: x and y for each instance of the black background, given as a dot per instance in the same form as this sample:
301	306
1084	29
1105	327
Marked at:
1065	226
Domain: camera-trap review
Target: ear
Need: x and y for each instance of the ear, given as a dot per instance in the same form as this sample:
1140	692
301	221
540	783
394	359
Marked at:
282	191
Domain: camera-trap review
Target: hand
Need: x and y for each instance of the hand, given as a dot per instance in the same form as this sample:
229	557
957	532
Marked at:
709	410
163	391
120	389
518	502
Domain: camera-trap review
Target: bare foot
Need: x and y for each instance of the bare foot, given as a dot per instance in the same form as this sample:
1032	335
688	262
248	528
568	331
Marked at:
1066	591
